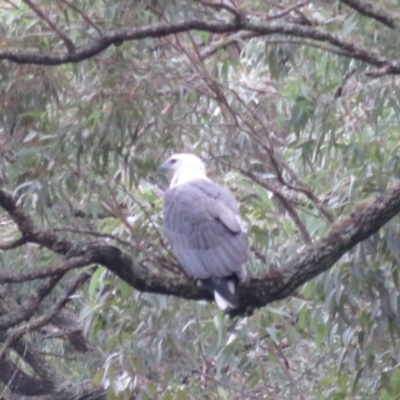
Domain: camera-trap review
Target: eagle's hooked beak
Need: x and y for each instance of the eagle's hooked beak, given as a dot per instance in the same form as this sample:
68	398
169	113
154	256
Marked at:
164	167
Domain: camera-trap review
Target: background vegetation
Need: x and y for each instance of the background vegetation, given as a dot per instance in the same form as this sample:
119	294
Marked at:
293	105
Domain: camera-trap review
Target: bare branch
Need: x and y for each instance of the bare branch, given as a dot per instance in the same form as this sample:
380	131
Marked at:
14	6
224	42
304	188
67	41
279	164
287	10
369	10
223	6
351	48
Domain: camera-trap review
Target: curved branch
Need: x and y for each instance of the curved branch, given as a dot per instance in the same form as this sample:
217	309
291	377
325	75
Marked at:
309	262
314	259
27	228
369	10
354	49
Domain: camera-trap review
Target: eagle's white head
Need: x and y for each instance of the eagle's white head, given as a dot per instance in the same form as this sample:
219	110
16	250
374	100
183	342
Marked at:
184	167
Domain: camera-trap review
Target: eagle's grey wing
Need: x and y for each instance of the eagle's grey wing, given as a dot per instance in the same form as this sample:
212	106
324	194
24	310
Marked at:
202	223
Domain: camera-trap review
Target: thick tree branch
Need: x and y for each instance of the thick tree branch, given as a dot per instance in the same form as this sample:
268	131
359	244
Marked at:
354	49
12	244
26	226
364	221
314	259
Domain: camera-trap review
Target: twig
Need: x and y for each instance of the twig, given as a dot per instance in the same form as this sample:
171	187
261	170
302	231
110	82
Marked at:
95	234
84	16
223	6
147	215
292	212
278	164
287	11
60	268
285	367
67	41
225	42
50	354
12	4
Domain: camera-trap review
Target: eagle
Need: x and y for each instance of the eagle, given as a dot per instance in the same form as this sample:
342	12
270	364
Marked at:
202	224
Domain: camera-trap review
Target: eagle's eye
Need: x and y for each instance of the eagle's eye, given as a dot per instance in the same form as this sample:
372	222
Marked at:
173	161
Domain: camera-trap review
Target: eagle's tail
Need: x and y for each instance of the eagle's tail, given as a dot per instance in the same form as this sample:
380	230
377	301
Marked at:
224	290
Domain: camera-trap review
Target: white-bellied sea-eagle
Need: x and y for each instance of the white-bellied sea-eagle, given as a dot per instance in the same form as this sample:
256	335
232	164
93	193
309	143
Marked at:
202	224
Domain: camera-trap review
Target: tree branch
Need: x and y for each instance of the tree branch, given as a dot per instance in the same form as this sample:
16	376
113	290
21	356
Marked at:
354	49
26	226
287	10
67	41
60	268
364	221
84	16
16	333
312	260
12	244
31	305
369	10
223	6
21	383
